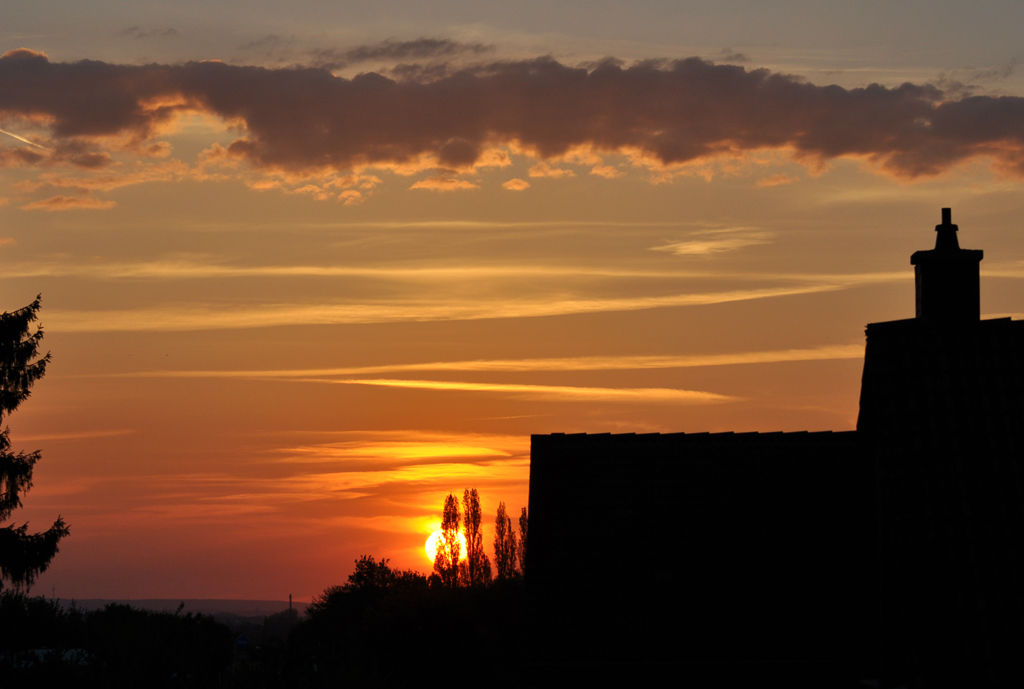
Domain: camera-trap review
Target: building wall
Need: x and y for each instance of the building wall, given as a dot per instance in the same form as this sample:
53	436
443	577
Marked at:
723	547
942	410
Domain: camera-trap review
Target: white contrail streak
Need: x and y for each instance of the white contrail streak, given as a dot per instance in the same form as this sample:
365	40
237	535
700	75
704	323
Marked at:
24	140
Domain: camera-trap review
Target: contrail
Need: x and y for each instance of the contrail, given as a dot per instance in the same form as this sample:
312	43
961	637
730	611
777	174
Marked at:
24	140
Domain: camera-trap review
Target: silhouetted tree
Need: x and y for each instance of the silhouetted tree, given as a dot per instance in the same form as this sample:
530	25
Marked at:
449	549
23	555
370	582
505	545
523	528
373	633
476	568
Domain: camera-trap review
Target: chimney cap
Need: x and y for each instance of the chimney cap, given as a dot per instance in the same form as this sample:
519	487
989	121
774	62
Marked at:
946	239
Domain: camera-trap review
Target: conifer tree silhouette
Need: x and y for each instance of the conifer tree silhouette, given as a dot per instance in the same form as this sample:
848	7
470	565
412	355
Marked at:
23	555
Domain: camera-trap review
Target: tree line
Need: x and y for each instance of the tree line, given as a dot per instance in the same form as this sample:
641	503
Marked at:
474	569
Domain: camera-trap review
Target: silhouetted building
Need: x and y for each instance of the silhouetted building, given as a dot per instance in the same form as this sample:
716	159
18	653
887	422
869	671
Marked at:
942	411
895	551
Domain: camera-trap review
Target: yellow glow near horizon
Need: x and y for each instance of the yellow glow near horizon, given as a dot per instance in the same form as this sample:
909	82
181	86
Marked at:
430	549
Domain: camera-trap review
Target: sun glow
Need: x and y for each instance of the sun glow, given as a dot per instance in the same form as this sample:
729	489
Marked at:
431	546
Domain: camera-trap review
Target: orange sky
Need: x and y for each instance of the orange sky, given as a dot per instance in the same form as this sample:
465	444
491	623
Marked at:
289	311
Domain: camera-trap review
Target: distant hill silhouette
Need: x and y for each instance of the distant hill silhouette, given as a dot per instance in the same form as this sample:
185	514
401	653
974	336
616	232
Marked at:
206	606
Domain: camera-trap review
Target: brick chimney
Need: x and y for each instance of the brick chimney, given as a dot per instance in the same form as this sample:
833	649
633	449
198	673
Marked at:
946	278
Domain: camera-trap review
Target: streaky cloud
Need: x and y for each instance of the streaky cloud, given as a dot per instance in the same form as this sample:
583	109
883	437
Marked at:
714	242
77	435
581	363
67	203
189	269
552	392
205	317
389	50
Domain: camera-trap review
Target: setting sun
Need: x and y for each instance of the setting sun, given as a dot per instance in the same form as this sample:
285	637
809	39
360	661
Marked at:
431	546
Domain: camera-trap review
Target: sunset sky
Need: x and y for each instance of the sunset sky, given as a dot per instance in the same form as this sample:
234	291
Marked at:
308	267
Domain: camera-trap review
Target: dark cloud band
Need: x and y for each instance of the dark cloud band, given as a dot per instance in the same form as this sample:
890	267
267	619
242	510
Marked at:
670	112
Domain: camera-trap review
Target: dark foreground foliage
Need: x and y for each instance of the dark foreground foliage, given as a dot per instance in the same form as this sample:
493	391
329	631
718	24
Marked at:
401	629
384	628
43	644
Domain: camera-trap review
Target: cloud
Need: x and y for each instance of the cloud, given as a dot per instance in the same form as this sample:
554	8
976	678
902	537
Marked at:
606	171
716	241
264	184
542	169
184	268
312	190
426	449
442	183
392	50
556	392
207	317
965	82
137	33
580	363
79	435
108	181
67	203
661	113
351	197
776	180
516	184
20	157
730	55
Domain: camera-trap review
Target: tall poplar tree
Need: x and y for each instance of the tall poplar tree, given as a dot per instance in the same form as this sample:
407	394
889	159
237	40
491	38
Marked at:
23	555
449	549
477	567
505	546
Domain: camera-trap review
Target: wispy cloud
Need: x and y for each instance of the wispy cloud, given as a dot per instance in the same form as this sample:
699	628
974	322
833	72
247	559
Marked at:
67	203
397	448
581	363
552	392
542	169
187	268
207	317
516	184
79	435
606	171
776	180
393	50
442	183
139	33
716	241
